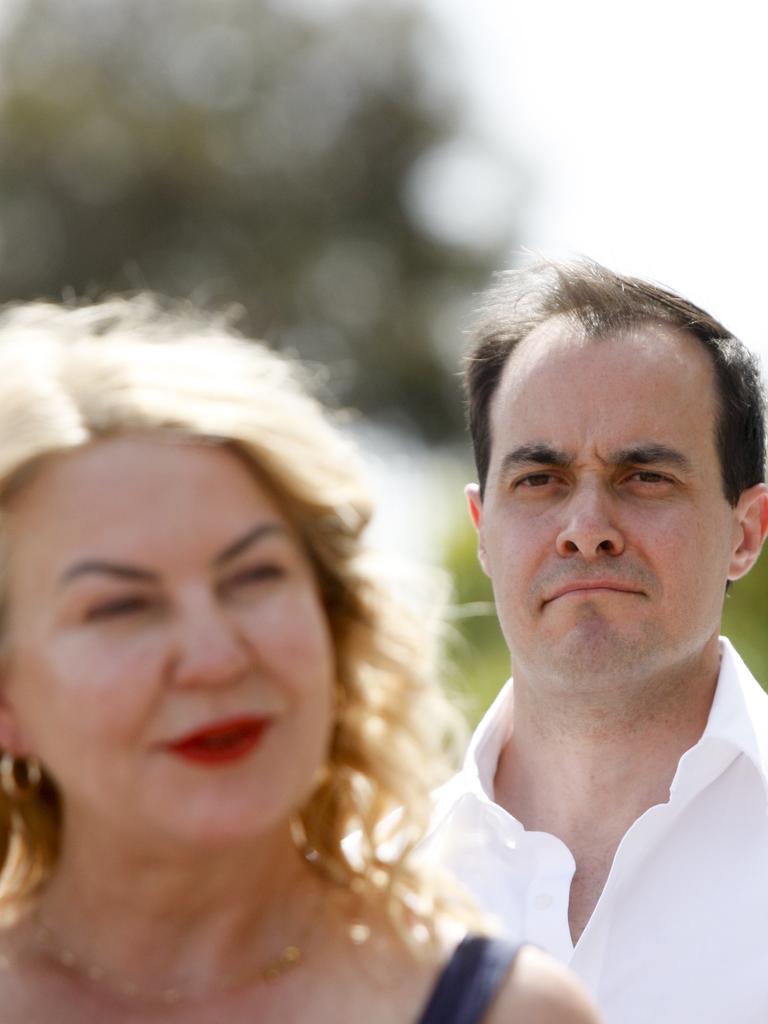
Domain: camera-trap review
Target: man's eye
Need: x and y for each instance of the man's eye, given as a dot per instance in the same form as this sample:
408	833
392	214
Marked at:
649	477
536	480
117	607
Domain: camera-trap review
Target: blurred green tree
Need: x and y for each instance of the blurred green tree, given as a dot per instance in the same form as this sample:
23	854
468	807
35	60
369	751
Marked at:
478	659
745	620
245	152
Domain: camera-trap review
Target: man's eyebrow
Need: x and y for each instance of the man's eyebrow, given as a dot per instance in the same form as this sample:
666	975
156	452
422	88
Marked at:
540	454
103	567
650	454
634	455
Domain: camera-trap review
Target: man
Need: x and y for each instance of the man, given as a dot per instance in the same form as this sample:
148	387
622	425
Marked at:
614	804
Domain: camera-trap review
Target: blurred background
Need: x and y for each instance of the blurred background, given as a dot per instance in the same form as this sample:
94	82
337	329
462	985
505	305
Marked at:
348	174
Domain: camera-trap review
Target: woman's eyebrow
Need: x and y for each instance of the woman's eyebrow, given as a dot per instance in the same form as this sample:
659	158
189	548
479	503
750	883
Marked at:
104	567
253	535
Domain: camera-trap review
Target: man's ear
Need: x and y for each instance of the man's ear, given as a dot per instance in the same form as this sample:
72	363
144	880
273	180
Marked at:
751	514
475	502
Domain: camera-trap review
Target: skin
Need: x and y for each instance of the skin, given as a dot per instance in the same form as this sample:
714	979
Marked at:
103	668
608	540
175	636
155	586
544	993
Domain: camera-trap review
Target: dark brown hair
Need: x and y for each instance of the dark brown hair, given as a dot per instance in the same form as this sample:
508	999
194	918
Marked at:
598	302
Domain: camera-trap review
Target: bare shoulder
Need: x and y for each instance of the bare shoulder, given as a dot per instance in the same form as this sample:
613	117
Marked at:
538	990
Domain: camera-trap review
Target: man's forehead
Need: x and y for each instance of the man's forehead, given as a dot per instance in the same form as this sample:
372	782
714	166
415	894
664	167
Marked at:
563	386
562	335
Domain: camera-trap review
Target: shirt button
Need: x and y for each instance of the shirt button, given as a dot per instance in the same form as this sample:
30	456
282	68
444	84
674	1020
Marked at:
543	901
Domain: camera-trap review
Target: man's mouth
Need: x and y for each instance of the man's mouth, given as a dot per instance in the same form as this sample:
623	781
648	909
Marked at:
584	587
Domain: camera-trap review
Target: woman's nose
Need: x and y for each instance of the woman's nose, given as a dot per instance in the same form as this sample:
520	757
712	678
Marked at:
210	649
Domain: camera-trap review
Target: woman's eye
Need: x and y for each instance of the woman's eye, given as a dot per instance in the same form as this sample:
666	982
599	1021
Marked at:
117	607
257	574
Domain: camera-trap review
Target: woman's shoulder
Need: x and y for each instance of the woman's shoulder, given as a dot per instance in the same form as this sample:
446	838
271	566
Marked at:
490	980
539	989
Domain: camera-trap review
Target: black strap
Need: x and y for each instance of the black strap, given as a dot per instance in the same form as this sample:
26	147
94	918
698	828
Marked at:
469	981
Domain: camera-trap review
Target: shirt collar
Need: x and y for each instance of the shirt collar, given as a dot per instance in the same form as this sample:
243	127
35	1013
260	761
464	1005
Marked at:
487	742
738	718
737	724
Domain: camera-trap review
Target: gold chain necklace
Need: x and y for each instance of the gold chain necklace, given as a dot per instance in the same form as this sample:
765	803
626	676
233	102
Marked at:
290	956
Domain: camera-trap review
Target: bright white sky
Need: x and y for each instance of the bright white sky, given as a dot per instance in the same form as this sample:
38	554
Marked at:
645	128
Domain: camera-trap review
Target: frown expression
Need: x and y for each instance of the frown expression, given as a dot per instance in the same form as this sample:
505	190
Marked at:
604	526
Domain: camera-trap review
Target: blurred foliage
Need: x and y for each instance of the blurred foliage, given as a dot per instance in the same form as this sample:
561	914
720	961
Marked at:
745	620
253	153
242	152
478	655
479	658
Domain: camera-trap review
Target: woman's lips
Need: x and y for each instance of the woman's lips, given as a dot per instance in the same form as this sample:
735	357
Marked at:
220	743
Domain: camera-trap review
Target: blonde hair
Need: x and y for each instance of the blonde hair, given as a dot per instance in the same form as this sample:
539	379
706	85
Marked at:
72	376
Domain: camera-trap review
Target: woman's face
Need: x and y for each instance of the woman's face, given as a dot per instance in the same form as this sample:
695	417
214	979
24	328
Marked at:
168	656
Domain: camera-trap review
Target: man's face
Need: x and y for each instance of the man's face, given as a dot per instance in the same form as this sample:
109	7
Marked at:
604	526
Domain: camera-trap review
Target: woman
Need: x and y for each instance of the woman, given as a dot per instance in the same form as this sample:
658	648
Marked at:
203	689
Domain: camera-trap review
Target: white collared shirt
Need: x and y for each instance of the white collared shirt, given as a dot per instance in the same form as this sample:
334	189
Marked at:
680	932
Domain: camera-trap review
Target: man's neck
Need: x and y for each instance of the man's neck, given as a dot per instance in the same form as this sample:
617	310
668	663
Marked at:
586	771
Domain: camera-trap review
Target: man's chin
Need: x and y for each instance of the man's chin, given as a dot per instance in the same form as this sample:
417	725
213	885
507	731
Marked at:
594	647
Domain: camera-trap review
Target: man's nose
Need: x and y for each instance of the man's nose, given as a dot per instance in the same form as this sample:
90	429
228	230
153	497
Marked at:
210	649
590	528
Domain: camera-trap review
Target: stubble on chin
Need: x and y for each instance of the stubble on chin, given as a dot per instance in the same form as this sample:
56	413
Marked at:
593	659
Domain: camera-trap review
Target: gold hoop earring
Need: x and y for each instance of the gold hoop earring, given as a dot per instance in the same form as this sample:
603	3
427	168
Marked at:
20	777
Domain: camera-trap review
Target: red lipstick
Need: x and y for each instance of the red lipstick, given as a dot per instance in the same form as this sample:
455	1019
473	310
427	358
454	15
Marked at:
221	742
